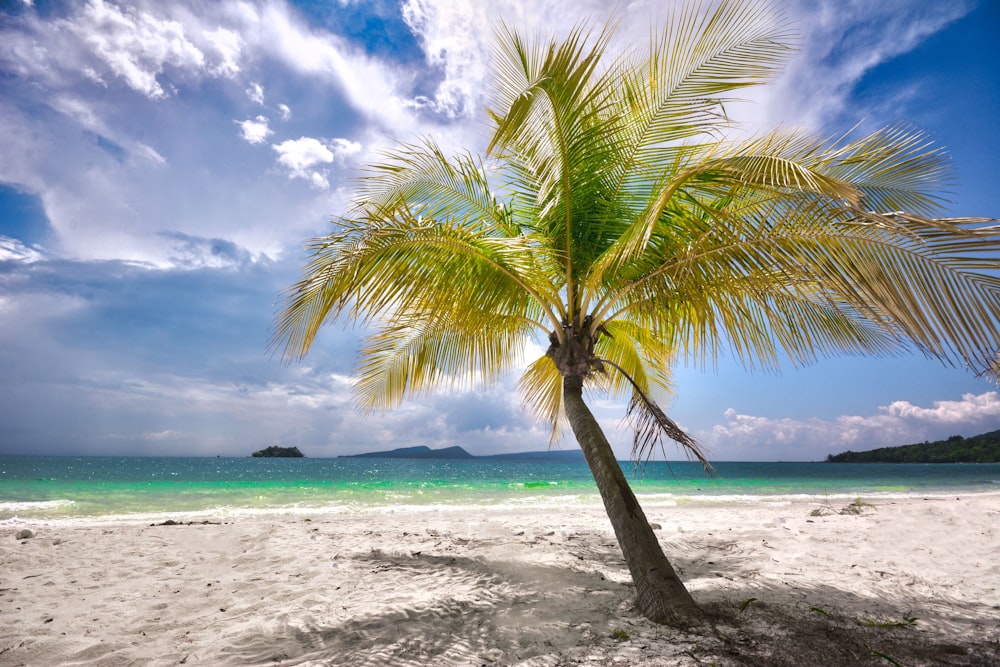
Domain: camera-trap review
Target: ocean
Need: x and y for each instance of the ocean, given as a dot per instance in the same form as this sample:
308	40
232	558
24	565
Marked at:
67	488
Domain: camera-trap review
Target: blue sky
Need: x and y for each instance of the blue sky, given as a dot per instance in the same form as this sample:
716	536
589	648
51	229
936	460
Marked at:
162	163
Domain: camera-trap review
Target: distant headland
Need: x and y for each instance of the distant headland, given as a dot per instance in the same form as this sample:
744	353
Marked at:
278	452
457	453
984	448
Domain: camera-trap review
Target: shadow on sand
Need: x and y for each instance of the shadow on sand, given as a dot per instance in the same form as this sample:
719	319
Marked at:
506	613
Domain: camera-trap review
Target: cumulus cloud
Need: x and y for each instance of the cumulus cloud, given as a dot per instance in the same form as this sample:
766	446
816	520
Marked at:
972	409
255	131
138	46
899	423
157	49
135	46
305	157
302	157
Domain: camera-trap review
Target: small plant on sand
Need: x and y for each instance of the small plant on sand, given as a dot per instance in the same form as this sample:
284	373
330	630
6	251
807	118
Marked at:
621	635
858	507
826	509
908	621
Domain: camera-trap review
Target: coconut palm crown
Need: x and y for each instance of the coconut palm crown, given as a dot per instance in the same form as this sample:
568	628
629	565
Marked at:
613	219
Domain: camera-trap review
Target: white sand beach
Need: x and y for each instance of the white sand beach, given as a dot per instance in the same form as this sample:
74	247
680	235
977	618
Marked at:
914	581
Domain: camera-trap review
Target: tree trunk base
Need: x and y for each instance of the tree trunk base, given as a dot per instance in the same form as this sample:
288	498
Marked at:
660	595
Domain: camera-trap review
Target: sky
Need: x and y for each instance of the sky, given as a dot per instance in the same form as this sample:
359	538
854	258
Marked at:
161	165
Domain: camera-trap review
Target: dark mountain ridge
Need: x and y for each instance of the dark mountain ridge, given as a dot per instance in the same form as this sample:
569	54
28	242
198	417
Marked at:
458	453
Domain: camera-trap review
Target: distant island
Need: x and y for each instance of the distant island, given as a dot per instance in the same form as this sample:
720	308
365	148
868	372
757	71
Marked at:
984	448
278	452
457	453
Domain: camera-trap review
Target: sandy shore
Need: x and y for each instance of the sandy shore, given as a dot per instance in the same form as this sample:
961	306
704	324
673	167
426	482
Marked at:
911	581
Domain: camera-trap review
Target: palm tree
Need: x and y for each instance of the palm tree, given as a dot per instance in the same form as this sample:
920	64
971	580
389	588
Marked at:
611	216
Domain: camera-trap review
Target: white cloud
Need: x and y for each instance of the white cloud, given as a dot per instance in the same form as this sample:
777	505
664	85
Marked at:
228	46
136	46
255	131
370	85
453	37
971	409
141	45
286	112
839	42
12	250
185	251
231	418
147	154
343	148
83	113
304	157
899	423
256	93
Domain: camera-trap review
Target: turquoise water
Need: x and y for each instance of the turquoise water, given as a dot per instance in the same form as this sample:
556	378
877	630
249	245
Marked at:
50	487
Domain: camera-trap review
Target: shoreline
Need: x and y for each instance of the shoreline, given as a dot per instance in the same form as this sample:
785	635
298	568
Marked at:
48	488
447	585
590	501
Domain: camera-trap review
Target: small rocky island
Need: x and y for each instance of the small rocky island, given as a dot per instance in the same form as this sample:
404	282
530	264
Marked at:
279	452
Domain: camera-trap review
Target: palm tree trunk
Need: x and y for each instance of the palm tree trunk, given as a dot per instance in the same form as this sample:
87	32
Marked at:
661	596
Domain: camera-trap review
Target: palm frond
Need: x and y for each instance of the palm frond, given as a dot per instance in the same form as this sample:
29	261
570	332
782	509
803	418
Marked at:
541	388
415	358
650	424
675	93
894	168
390	257
807	277
437	186
552	132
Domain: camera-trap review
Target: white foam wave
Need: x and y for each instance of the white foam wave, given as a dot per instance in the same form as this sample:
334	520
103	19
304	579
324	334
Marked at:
31	506
542	503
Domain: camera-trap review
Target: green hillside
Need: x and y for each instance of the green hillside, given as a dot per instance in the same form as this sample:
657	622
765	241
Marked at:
983	448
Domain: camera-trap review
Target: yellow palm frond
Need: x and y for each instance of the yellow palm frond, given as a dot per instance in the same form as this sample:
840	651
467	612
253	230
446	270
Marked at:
416	358
541	389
